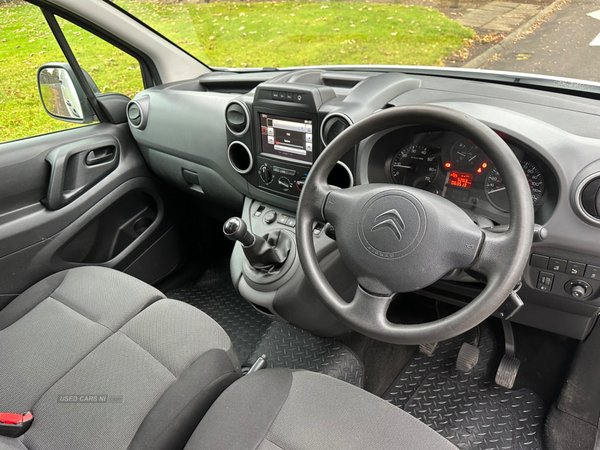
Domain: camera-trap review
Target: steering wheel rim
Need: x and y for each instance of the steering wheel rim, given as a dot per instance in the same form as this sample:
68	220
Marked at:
501	258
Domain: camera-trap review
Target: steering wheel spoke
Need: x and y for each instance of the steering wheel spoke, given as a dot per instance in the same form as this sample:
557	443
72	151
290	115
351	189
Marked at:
492	257
368	310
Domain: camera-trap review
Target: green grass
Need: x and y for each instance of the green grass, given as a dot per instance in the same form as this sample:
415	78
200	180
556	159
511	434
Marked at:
305	33
219	34
26	43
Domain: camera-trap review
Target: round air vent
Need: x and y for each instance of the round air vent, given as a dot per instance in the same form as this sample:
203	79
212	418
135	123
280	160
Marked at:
237	117
589	196
332	126
340	176
137	112
134	114
240	157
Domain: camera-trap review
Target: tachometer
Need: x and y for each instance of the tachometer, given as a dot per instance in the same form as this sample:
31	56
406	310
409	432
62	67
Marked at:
496	191
415	165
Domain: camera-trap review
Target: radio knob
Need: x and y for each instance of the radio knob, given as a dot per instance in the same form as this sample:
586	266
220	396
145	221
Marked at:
265	174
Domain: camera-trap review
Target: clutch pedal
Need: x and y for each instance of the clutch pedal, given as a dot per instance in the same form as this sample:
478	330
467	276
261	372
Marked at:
428	349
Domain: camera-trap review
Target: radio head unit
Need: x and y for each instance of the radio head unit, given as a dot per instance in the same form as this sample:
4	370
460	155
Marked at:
287	138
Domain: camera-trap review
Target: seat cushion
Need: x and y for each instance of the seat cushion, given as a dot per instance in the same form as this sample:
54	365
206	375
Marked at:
277	409
104	361
52	326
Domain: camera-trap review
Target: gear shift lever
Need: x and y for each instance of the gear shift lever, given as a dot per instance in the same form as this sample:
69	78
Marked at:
235	229
262	254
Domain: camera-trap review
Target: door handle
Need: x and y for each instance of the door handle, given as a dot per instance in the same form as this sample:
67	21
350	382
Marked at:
100	156
78	166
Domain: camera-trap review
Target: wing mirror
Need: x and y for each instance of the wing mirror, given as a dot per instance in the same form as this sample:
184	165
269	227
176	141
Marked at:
62	95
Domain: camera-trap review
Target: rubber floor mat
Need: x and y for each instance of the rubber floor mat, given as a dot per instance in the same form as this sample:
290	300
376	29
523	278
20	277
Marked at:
288	346
254	334
215	296
468	409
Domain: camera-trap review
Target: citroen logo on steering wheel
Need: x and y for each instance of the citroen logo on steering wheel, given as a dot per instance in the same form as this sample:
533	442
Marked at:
390	219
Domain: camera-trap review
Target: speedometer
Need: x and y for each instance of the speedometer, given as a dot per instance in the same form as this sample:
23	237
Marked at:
415	165
496	190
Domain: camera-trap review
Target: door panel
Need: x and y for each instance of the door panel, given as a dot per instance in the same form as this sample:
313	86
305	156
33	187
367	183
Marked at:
80	197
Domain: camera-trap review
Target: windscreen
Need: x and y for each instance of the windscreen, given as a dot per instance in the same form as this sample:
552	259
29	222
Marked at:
557	38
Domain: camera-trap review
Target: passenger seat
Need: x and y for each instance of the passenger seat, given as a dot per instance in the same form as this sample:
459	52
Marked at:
104	361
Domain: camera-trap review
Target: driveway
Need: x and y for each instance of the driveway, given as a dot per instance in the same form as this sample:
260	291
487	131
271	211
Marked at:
560	46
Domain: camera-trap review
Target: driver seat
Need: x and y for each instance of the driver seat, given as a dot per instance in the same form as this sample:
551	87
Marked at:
281	409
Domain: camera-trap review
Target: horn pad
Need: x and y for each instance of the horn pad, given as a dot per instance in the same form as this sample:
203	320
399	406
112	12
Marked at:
393	224
399	238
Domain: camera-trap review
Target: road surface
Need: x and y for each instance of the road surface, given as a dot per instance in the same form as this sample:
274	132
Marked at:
566	45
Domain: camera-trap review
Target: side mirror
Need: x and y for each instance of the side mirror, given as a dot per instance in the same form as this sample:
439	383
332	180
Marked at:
62	95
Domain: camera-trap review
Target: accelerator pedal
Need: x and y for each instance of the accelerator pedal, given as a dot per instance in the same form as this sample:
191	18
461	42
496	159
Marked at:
428	349
507	371
468	357
509	366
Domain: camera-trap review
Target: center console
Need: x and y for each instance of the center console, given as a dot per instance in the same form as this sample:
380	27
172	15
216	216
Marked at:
286	152
276	137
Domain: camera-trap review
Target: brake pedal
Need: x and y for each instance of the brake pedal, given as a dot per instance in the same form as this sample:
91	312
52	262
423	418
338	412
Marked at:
428	349
468	357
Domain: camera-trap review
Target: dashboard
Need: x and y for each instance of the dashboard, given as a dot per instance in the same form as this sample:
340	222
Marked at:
233	138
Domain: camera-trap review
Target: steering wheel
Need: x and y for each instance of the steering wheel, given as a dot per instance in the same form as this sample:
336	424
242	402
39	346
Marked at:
398	239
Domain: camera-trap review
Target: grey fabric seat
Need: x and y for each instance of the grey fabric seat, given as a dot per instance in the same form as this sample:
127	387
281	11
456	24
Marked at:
96	332
278	409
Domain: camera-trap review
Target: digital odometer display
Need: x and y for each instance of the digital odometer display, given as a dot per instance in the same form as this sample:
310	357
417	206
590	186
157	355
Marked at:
460	179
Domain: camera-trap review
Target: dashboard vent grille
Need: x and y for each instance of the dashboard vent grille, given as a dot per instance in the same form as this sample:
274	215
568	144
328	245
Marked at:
590	197
137	112
134	114
237	117
333	125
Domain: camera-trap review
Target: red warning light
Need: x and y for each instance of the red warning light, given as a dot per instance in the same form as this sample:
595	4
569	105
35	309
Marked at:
479	170
484	165
447	165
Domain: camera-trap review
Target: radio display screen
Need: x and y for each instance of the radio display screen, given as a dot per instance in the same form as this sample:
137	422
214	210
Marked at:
286	137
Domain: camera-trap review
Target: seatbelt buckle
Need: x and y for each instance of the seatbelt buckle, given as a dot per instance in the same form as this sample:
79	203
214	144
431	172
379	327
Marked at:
14	425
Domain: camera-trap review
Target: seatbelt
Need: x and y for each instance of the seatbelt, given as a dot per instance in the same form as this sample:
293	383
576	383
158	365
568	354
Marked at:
13	425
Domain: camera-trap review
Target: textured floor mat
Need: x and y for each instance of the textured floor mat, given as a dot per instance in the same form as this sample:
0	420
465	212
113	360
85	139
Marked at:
254	334
288	346
468	409
215	295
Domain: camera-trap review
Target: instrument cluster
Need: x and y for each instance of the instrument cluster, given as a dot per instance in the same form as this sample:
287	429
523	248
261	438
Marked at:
453	167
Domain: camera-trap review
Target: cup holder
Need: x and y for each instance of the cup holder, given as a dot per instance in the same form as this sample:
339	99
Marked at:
340	176
240	157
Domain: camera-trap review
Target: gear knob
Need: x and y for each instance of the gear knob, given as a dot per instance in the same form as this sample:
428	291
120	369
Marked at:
235	229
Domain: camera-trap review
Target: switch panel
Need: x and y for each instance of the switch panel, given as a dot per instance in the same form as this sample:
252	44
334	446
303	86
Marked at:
545	280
